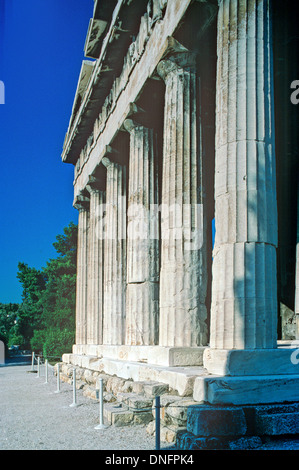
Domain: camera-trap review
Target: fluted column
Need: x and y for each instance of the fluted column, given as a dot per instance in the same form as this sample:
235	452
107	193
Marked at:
82	273
142	297
115	254
244	287
95	266
183	276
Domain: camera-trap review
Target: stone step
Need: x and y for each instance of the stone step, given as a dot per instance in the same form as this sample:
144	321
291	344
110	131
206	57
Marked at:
187	441
179	379
247	390
120	415
206	420
278	424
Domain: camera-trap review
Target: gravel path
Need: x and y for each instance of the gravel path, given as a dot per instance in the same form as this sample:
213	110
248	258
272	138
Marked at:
34	417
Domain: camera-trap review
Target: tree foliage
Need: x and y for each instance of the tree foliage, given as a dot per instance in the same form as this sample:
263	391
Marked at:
45	320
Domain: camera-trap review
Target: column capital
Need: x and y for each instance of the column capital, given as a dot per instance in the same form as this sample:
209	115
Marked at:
110	156
129	125
93	185
176	63
81	202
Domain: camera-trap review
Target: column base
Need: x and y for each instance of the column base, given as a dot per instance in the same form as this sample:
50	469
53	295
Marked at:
248	362
155	355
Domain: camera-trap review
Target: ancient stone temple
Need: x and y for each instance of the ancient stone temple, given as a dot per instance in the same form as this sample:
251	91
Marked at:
184	142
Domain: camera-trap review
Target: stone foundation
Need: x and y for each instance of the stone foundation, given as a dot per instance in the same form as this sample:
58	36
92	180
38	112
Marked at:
234	427
186	422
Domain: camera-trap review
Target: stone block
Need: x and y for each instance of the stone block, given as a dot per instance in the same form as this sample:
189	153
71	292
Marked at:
276	419
169	433
151	428
207	443
143	417
105	380
90	392
205	421
118	416
115	384
250	362
245	443
247	390
137	402
176	412
137	387
155	389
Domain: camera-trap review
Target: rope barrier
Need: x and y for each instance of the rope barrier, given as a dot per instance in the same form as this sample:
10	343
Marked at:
101	426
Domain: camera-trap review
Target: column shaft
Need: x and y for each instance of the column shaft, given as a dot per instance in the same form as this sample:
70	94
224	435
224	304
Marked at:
115	255
183	276
244	287
95	268
82	273
142	298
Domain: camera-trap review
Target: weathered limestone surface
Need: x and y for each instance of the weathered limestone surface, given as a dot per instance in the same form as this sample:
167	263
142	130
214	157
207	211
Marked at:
179	378
252	362
247	390
114	254
156	355
95	285
244	290
142	297
183	264
81	283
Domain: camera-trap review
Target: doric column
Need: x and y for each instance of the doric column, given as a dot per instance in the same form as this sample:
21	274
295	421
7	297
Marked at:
142	297
82	272
115	254
95	265
244	288
183	257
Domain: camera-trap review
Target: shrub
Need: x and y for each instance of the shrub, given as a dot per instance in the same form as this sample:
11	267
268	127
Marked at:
58	342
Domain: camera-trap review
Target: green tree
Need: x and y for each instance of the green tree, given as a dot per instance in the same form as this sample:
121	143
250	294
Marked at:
8	321
57	300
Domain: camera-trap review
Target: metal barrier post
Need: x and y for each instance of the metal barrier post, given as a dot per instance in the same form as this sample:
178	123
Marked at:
38	367
58	379
157	406
46	371
101	425
74	389
32	363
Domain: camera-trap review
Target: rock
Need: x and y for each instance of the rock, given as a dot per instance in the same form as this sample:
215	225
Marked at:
206	420
154	389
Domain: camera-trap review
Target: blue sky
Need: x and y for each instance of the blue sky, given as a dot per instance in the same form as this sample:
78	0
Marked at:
41	51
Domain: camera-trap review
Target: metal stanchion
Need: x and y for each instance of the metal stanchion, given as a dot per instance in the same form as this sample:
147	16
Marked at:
74	390
38	368
101	425
58	379
46	371
32	363
157	406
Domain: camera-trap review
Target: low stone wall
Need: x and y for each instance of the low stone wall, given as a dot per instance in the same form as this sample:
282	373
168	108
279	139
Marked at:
128	402
187	423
